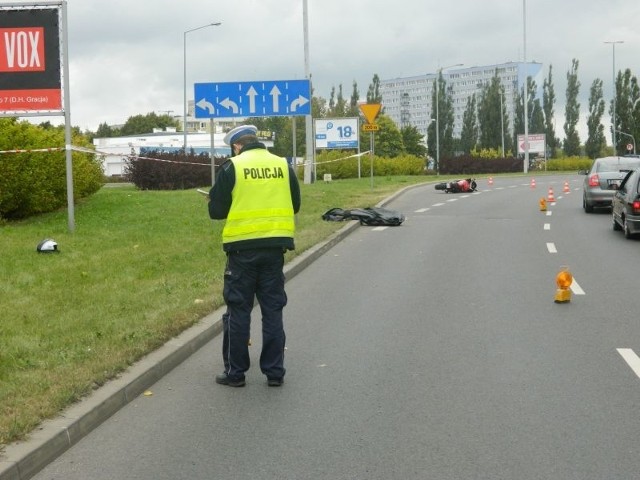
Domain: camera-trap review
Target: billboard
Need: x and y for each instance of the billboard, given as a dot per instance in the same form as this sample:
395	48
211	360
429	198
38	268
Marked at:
336	132
536	143
30	79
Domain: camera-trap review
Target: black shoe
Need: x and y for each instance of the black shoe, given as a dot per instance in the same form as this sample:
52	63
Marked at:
275	382
223	379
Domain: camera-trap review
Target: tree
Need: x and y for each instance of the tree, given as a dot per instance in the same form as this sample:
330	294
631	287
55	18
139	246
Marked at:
469	134
413	141
387	141
534	110
596	140
442	118
537	117
139	124
491	117
353	102
627	119
373	94
105	131
548	102
572	112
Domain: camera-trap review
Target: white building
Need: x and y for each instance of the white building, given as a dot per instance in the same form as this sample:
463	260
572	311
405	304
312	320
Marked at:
113	151
408	100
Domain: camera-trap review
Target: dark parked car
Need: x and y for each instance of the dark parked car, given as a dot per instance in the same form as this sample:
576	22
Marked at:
626	205
603	179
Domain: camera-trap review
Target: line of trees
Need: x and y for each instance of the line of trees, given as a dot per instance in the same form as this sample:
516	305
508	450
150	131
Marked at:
485	125
485	116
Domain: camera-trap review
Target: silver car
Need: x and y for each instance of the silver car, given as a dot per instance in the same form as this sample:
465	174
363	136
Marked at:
603	179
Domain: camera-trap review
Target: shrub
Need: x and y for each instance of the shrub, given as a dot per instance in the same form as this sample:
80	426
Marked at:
344	164
170	170
35	182
569	163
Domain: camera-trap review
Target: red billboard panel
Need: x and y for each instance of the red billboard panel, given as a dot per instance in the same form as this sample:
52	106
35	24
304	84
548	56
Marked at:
30	60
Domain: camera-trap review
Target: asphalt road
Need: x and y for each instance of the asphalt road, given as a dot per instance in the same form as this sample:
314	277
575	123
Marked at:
433	350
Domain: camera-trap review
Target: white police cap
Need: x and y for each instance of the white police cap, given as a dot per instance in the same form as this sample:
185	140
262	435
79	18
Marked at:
233	135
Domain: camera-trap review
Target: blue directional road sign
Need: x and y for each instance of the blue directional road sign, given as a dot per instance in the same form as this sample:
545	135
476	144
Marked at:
252	99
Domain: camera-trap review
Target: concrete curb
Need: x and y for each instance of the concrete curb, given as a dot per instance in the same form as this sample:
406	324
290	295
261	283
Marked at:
23	460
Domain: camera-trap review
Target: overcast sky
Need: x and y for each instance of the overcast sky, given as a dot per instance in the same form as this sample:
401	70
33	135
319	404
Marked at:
126	56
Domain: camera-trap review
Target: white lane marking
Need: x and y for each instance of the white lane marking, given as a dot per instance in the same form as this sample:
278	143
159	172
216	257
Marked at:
452	200
437	204
421	210
513	186
547	226
464	196
576	288
500	188
552	248
631	358
377	229
549	212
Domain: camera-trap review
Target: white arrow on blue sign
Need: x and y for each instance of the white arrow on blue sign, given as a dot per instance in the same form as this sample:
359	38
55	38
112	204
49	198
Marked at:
252	99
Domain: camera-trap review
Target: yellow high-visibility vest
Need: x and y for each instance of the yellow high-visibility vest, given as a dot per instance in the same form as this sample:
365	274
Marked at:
261	204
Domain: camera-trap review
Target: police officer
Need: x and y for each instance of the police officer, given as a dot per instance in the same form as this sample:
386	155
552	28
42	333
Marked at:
258	194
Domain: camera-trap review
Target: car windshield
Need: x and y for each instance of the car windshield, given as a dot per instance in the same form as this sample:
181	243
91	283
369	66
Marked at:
616	165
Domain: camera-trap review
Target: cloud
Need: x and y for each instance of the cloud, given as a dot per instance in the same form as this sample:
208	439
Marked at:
127	57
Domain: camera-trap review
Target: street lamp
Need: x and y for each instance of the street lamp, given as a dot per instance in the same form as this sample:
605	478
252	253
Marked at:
184	44
438	114
615	94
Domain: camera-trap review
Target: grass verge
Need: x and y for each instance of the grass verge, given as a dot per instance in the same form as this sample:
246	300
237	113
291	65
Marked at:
141	267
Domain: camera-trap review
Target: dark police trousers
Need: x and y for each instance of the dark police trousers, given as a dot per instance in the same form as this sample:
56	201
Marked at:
250	274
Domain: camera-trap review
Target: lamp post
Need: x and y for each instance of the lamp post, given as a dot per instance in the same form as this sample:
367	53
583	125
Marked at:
184	45
526	87
615	94
438	114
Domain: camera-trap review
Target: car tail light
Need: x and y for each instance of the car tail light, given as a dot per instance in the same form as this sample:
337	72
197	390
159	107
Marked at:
636	206
594	181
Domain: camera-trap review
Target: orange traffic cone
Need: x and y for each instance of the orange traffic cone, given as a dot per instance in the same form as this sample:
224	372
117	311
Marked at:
490	180
550	197
566	187
533	183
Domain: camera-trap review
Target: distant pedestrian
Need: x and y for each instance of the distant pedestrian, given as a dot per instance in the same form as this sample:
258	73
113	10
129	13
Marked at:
258	194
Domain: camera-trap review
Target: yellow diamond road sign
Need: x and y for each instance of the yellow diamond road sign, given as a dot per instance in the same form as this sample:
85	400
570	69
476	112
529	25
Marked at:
370	111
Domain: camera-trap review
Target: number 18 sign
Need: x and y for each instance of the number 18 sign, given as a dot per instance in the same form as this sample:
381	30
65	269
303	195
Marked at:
336	132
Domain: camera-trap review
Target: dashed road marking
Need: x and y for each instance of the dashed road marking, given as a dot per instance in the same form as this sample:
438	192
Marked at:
576	288
421	210
547	226
552	248
631	358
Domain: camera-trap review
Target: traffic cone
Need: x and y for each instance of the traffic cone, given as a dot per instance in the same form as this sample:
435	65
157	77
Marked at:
550	197
566	188
533	183
490	180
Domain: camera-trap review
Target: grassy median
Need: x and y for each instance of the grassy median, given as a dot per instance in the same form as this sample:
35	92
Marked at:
140	267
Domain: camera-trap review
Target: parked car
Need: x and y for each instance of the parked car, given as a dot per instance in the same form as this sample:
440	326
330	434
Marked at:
625	206
603	179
